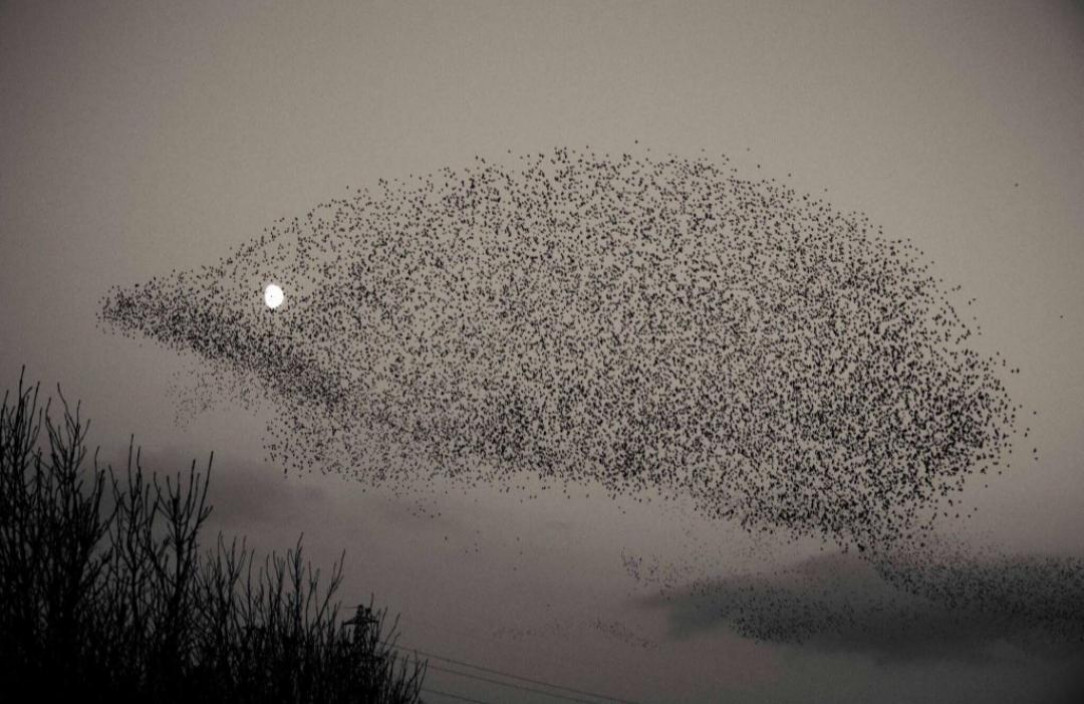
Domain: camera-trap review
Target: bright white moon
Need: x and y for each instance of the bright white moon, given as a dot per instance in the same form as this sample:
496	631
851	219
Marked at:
273	296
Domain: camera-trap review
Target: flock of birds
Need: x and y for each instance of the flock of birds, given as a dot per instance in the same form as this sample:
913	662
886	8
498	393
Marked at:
650	325
656	327
948	600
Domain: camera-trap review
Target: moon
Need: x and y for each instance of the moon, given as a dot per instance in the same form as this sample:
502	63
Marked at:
273	296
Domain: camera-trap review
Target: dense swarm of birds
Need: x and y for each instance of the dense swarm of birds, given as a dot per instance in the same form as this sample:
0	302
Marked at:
1043	594
932	603
643	323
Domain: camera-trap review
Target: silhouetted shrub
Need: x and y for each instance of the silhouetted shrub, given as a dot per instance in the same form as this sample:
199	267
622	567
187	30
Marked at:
106	596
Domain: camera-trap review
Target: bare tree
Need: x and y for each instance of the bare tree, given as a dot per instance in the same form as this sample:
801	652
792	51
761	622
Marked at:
106	595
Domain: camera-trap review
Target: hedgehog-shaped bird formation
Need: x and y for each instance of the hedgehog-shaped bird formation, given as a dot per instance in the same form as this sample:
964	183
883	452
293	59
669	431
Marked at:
647	324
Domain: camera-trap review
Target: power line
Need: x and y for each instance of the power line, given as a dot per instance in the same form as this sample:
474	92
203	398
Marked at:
555	695
454	696
510	676
461	630
544	654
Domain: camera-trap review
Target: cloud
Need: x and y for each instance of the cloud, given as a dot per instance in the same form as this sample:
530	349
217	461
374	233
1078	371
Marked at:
901	608
243	493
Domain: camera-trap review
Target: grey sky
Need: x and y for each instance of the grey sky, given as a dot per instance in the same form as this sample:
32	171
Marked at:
141	137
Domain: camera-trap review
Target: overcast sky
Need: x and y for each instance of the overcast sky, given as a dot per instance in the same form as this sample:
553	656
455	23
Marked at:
136	138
